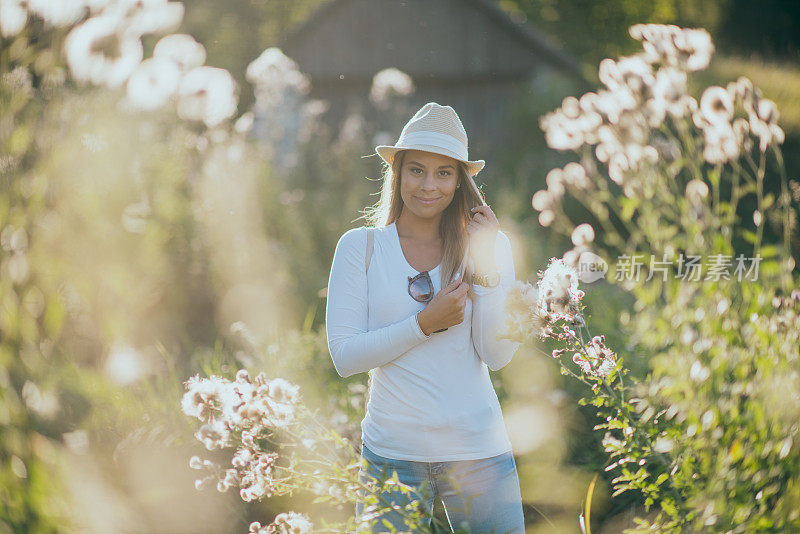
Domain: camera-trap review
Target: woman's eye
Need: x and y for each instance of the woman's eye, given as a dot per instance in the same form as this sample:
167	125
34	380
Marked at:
441	173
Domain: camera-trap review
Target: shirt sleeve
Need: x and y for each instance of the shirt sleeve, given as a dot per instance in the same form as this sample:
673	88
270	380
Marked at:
488	311
354	348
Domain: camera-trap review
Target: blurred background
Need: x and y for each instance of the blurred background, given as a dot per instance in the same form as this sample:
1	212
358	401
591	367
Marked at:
139	248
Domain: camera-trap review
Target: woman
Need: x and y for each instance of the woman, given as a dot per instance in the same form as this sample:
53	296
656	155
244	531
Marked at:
422	319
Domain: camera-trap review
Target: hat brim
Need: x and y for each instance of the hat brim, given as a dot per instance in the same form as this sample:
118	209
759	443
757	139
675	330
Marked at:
387	153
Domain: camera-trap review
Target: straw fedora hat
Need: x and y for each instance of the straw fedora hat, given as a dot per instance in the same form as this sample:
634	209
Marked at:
434	128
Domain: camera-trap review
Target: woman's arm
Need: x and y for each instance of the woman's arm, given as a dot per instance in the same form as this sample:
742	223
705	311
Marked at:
488	310
353	348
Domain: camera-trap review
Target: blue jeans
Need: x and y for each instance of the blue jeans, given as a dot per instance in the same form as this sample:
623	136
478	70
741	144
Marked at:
478	495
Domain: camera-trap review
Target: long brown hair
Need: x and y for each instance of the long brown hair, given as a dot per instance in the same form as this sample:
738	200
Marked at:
453	224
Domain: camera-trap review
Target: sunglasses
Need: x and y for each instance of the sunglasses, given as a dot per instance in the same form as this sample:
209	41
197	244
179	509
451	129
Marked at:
420	288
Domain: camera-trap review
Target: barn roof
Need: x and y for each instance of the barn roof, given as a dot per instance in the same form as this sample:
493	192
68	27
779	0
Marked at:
356	38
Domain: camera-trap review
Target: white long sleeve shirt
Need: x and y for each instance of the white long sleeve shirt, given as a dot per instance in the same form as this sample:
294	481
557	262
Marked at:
431	398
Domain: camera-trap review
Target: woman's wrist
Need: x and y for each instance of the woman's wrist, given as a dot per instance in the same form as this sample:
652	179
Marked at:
422	326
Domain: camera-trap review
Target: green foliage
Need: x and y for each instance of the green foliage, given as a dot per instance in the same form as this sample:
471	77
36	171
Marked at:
698	433
596	30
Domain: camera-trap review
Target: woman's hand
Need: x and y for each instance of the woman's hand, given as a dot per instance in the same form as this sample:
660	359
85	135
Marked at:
482	230
445	309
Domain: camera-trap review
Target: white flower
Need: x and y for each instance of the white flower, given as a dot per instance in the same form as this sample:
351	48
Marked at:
214	435
608	105
153	83
598	360
767	110
696	46
207	94
763	123
153	16
721	144
608	144
742	89
284	523
242	376
561	133
388	83
555	183
696	191
571	107
58	12
583	234
716	105
762	116
231	478
542	200
279	414
255	478
623	146
181	49
242	457
206	396
282	391
13	16
657	41
575	175
767	133
558	293
684	48
668	96
274	74
630	73
100	52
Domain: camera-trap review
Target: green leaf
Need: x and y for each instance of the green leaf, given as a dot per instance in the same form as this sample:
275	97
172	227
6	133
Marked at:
749	236
629	206
769	251
620	490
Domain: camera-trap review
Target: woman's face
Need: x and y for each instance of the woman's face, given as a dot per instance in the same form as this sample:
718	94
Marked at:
427	182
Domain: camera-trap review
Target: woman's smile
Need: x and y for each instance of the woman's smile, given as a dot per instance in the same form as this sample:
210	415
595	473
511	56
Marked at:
427	201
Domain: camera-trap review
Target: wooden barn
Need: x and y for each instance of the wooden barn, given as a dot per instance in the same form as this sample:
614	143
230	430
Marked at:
468	54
